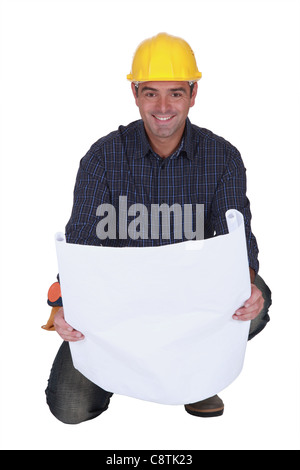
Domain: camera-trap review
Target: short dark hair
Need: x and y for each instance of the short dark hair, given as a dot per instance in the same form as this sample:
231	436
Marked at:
192	87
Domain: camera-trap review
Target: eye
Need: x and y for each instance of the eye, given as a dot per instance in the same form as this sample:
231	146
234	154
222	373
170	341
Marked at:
176	95
150	95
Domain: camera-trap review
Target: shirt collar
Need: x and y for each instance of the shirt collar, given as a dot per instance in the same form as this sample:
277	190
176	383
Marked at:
186	143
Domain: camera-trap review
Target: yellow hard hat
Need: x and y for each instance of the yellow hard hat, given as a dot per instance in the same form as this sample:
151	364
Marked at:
164	58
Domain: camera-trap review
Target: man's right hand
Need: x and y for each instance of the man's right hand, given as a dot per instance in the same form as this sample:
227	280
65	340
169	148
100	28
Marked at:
65	331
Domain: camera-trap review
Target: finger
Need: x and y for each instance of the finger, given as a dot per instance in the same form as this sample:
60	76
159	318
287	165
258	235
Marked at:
244	317
255	295
249	313
252	307
252	300
61	326
60	322
71	337
67	332
255	300
248	310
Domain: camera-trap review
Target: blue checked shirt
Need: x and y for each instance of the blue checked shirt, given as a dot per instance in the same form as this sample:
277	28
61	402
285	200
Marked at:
205	169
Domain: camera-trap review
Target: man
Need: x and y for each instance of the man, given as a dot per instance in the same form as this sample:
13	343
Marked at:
161	159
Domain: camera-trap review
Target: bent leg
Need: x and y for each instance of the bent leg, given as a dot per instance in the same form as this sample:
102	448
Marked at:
259	323
71	397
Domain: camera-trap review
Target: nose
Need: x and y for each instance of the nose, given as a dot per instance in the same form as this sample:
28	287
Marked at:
163	104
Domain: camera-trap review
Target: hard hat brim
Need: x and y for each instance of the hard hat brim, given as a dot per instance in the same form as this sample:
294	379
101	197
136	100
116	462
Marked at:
162	79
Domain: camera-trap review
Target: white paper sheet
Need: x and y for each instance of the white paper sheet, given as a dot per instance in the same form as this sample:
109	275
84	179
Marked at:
158	321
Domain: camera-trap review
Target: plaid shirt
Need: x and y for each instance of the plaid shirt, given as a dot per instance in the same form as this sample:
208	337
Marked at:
205	169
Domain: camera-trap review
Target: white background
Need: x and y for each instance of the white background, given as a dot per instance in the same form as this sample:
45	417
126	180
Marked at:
64	66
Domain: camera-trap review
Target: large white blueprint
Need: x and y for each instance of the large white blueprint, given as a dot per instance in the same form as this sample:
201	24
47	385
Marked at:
158	321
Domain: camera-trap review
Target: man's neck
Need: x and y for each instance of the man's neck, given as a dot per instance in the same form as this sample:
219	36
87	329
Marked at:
164	149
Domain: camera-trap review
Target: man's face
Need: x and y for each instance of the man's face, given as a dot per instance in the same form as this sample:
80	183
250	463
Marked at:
164	107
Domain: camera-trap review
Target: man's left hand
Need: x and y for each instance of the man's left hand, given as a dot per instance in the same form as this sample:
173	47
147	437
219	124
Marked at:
251	307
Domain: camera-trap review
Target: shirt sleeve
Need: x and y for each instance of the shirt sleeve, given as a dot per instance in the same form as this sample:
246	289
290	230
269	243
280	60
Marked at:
231	194
90	191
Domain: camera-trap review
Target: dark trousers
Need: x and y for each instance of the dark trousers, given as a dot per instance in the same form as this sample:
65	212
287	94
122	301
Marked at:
72	398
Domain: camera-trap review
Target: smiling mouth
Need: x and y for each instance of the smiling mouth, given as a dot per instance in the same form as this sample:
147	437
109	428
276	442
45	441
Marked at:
162	118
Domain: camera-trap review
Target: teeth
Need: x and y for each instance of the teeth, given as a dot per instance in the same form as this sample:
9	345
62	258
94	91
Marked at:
163	118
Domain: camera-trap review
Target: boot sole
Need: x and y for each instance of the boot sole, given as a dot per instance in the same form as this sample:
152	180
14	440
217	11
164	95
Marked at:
206	414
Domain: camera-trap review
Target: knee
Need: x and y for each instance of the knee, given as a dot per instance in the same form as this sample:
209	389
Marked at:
66	417
68	414
73	415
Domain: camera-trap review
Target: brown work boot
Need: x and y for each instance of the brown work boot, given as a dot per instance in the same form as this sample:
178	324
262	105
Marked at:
206	408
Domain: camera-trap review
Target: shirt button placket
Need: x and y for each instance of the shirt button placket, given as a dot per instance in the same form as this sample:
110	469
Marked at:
163	189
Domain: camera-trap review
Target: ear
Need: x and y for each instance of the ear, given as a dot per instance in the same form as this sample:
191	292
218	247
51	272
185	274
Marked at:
134	93
194	94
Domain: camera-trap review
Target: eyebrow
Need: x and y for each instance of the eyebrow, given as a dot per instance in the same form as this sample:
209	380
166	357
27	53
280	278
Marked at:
148	88
178	89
